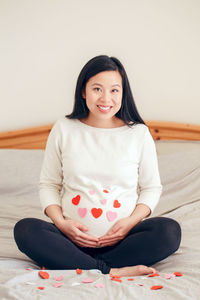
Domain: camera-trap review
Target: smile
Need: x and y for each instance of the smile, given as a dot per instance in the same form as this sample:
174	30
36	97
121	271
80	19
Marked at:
104	108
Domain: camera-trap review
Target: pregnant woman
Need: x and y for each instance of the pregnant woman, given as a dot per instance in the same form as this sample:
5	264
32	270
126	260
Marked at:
99	184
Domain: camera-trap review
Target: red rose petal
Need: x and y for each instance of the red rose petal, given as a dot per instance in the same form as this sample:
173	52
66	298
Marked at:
156	287
153	275
78	271
41	287
44	275
178	274
115	279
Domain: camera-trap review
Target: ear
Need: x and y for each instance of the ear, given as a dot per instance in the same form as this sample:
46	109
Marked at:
83	93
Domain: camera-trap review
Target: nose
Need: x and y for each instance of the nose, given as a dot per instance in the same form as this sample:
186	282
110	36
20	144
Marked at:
105	97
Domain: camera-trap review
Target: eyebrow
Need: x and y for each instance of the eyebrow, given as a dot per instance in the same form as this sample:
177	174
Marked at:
102	85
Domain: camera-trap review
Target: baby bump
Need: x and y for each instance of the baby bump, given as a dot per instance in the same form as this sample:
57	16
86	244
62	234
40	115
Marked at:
99	216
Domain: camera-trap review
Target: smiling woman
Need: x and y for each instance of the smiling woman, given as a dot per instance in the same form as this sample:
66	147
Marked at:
98	182
101	95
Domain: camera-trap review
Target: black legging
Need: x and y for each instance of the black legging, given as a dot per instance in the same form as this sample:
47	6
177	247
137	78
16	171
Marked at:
148	242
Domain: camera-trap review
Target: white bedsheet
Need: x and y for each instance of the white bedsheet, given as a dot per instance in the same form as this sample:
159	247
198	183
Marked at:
180	201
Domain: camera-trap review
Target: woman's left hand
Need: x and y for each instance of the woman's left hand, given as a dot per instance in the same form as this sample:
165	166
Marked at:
119	230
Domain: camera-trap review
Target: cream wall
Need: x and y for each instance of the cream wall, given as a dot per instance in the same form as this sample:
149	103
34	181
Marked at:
45	43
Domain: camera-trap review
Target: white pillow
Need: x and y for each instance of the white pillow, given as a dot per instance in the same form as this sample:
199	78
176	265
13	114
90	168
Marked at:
179	166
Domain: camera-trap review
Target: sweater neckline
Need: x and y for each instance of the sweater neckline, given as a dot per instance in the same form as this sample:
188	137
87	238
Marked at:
99	129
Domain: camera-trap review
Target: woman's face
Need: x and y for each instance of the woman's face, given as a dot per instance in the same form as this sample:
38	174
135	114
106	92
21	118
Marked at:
103	96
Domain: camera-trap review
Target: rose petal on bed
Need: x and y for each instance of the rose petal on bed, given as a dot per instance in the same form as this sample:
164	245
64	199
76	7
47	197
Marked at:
78	271
28	269
43	274
140	284
116	279
156	287
59	278
169	276
153	275
178	274
99	285
88	280
130	279
58	284
41	287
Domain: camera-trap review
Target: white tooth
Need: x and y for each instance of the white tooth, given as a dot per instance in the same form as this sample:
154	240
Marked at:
105	108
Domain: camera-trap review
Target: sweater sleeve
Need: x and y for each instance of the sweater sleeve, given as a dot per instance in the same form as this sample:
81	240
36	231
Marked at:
51	176
149	184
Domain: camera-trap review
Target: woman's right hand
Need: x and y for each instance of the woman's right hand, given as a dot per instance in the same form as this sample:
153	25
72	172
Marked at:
74	230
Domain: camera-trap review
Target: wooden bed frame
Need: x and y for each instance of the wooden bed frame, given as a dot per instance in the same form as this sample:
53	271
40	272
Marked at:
36	137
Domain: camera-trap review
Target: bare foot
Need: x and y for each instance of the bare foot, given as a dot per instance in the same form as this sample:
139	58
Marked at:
132	271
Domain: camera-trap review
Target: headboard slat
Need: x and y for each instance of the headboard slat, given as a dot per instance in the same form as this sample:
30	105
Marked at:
35	138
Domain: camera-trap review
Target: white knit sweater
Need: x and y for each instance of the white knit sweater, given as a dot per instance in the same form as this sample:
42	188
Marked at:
98	175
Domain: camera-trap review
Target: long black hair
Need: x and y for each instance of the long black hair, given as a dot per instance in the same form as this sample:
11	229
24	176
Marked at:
128	111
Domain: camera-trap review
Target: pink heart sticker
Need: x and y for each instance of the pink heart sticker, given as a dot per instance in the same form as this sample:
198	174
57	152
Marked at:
111	215
59	278
88	280
91	192
169	276
103	201
82	212
58	284
99	285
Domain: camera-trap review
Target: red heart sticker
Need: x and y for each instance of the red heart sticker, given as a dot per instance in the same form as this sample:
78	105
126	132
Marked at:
116	204
76	200
96	212
44	275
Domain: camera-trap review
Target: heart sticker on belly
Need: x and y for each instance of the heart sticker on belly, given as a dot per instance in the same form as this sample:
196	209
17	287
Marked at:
76	200
91	192
82	212
111	215
103	201
96	212
105	191
116	204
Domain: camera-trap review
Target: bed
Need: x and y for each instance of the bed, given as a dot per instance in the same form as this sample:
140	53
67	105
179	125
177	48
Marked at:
21	156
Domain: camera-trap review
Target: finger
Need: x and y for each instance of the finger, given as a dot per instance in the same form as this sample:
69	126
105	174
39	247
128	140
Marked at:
111	241
88	237
110	237
113	230
83	244
86	242
154	270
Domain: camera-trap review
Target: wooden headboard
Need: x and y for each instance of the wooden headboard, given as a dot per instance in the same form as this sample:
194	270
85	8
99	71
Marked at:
36	137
